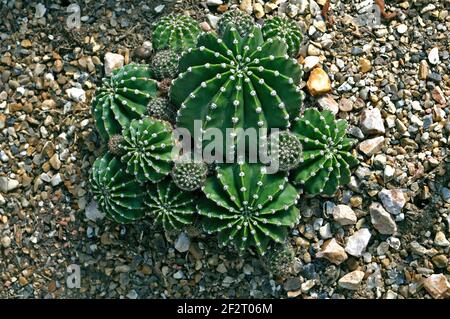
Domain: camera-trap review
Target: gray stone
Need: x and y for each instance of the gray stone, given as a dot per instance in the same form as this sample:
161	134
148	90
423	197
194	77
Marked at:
357	243
382	220
351	280
372	122
8	184
92	212
182	243
393	200
344	215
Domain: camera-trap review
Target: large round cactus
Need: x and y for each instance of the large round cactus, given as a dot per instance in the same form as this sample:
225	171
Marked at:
122	98
170	206
236	83
285	29
237	18
118	194
176	32
326	159
148	144
247	206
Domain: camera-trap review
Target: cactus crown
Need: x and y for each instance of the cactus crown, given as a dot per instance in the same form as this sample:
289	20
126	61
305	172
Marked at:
248	207
170	207
148	144
118	194
326	158
232	82
165	64
189	175
237	18
122	98
176	32
285	29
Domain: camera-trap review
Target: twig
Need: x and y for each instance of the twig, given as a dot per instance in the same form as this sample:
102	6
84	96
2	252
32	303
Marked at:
384	14
326	10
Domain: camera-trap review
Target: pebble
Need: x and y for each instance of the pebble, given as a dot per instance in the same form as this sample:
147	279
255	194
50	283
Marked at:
371	146
372	122
423	70
8	184
357	243
6	242
318	82
445	193
333	252
113	61
437	286
441	240
402	28
433	56
310	62
365	65
344	215
76	94
345	105
382	220
92	212
393	200
327	102
351	280
182	243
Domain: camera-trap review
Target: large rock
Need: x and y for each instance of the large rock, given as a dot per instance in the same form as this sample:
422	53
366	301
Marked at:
372	122
372	146
357	243
318	82
351	280
393	200
332	251
382	220
344	215
113	61
437	286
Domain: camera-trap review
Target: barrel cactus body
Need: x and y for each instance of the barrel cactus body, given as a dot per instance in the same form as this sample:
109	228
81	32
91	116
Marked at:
189	175
287	150
326	159
122	98
118	194
148	144
237	18
285	29
237	83
248	207
161	109
169	206
164	64
176	32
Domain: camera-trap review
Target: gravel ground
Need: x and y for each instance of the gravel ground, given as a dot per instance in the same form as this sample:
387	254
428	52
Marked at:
382	236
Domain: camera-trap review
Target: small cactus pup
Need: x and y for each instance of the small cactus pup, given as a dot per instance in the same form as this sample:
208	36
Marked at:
169	206
237	83
161	108
189	175
326	158
118	194
285	29
176	32
122	98
165	64
287	150
148	144
115	145
280	259
248	207
164	86
238	18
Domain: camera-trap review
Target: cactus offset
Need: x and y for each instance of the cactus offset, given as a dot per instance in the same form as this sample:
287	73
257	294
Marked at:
326	158
165	64
237	83
248	207
280	259
161	108
148	144
189	175
285	29
176	32
170	207
122	98
115	146
288	150
118	194
242	21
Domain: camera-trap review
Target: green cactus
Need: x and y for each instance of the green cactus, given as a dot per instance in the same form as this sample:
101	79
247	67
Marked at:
242	21
122	98
285	29
115	145
326	159
176	32
189	175
161	108
280	259
236	83
288	150
170	207
165	64
247	206
148	144
118	194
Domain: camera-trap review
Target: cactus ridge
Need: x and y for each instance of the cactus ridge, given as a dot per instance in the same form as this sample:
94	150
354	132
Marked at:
326	158
176	32
170	207
235	82
148	144
285	29
237	18
122	98
118	194
248	207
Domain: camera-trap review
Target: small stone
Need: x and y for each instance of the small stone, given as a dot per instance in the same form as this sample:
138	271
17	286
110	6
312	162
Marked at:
8	184
26	43
402	28
6	242
393	200
372	146
438	95
344	215
327	102
423	70
113	61
178	275
56	179
372	122
345	105
365	65
221	268
205	26
246	6
333	252
291	10
92	212
76	94
291	284
357	243
437	286
441	240
40	11
382	220
433	56
182	243
55	162
258	10
351	280
318	82
310	62
441	261
445	193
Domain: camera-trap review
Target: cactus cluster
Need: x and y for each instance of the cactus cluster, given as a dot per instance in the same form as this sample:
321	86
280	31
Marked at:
122	98
248	207
286	30
241	20
176	32
326	158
